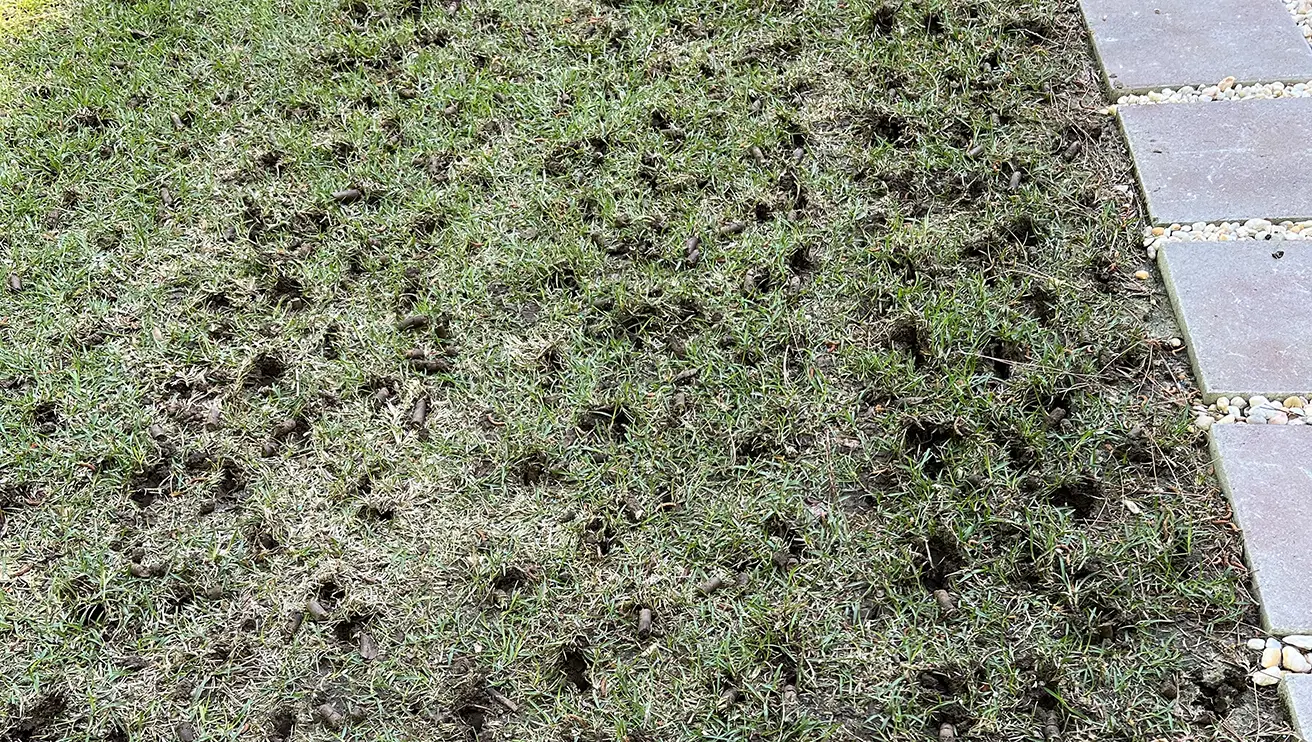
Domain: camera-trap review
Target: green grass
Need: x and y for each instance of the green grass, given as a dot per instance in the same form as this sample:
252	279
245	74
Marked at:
909	371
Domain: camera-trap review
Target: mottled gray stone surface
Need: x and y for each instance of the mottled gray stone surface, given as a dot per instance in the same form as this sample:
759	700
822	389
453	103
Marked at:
1266	470
1244	314
1223	161
1171	43
1297	690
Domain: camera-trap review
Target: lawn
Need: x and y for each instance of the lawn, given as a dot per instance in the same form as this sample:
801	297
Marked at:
491	370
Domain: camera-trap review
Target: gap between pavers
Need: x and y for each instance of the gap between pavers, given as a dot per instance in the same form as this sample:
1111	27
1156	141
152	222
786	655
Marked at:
1244	314
1223	162
1146	46
1266	471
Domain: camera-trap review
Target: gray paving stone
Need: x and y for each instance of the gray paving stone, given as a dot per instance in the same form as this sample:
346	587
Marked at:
1171	43
1223	161
1267	472
1244	314
1297	690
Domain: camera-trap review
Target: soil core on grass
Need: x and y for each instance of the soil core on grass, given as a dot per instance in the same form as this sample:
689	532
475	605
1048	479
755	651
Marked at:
633	370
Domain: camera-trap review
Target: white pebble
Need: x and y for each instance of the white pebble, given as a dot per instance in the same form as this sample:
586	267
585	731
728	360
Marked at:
1294	661
1271	656
1302	641
1267	676
1257	644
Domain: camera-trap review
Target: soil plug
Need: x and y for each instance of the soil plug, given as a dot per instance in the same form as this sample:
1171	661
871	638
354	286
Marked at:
644	623
15	283
432	366
368	648
732	228
758	155
420	413
711	585
1015	181
692	250
945	601
413	322
284	428
330	716
177	122
294	624
315	610
946	732
1051	732
348	195
214	417
727	699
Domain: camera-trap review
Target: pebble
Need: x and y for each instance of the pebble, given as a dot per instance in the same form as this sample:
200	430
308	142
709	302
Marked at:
1257	644
1302	12
1142	275
1256	410
1294	661
1302	641
1267	676
1271	656
1226	89
1253	229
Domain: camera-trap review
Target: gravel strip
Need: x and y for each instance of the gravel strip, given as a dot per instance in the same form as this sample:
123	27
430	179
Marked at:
1280	658
1227	89
1255	410
1302	12
1253	229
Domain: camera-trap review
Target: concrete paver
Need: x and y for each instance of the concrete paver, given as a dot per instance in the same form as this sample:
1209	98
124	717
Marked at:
1266	470
1223	161
1243	307
1172	43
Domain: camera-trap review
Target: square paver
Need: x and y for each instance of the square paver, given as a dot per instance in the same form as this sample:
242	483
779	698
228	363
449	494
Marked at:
1171	43
1223	161
1267	472
1243	312
1297	690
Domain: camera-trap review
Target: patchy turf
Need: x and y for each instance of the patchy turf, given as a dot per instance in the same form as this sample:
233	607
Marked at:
16	16
658	370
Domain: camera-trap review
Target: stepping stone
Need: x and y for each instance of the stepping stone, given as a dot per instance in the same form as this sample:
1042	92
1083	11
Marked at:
1172	43
1267	472
1223	161
1243	313
1297	690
